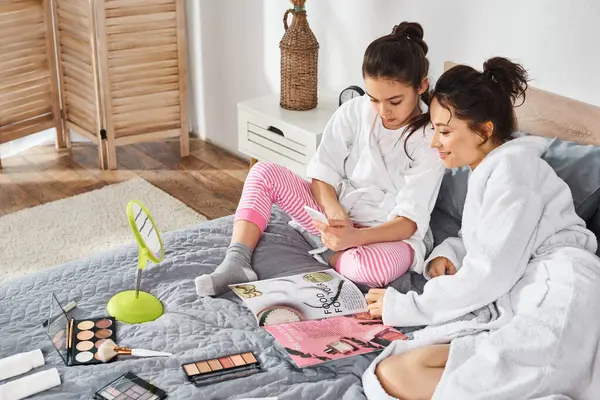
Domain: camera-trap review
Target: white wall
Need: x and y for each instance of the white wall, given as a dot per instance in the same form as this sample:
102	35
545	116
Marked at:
232	66
555	40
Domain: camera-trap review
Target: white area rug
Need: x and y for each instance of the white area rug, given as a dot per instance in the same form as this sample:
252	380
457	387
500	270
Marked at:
79	226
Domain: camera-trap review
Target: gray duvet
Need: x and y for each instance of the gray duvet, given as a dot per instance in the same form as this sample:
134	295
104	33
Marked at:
191	328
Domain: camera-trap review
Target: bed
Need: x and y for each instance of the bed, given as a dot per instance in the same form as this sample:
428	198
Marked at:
199	328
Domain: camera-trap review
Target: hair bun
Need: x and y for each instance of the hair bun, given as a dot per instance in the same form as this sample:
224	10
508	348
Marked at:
411	31
509	76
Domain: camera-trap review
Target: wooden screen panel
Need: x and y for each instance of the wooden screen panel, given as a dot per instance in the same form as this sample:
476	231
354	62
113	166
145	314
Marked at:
29	101
78	65
143	66
142	52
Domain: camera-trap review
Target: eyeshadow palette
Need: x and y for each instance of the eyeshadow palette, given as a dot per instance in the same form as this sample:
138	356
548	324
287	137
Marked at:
130	387
340	347
387	336
221	369
77	341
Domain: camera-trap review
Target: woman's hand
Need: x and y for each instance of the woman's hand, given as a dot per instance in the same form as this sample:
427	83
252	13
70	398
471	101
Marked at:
375	302
339	235
441	266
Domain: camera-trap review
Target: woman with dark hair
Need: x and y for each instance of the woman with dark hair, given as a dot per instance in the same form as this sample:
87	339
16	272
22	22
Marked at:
512	305
375	184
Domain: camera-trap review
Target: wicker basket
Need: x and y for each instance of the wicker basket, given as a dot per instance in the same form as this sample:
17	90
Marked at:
299	61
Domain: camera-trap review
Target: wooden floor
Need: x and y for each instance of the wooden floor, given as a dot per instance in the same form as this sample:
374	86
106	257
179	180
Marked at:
210	180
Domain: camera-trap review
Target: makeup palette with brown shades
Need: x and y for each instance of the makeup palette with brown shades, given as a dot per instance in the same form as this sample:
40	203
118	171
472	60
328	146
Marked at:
77	341
221	369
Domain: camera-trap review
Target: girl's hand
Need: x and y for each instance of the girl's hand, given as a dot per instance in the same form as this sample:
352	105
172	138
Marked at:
375	302
338	217
441	266
340	236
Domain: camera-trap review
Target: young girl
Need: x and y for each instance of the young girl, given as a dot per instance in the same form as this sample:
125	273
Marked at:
376	185
517	295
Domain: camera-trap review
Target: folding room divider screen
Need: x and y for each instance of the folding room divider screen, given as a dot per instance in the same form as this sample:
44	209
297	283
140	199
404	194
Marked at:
114	71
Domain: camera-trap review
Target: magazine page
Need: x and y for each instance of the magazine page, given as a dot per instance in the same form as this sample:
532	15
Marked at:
315	342
303	297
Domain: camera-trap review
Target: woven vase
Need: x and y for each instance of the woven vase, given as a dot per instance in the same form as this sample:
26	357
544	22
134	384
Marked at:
299	61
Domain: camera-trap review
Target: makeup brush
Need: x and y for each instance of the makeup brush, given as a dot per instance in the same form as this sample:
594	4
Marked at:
109	349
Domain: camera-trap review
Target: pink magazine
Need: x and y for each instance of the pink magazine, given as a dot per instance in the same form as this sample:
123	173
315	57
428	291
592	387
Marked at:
317	317
315	342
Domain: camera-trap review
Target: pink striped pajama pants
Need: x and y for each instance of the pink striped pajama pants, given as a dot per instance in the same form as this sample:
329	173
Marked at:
375	265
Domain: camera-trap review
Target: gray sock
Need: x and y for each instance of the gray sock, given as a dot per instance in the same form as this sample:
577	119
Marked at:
235	268
315	242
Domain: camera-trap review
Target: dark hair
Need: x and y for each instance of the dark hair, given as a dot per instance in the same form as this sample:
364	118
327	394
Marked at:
479	97
400	56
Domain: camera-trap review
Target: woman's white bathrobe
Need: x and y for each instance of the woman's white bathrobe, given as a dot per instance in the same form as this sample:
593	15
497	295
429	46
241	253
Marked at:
372	188
523	310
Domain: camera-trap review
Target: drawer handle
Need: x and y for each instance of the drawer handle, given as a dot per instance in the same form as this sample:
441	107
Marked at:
275	130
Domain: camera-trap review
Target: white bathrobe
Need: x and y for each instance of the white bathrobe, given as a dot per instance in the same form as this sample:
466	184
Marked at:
372	188
523	311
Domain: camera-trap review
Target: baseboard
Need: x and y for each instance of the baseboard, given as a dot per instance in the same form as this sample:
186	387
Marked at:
38	139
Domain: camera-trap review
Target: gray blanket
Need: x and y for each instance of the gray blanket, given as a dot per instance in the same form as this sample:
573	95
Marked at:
191	328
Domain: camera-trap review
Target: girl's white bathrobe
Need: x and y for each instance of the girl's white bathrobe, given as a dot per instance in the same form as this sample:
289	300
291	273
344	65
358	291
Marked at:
375	180
523	310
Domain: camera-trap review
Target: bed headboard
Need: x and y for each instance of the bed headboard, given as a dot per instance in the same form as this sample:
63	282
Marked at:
551	115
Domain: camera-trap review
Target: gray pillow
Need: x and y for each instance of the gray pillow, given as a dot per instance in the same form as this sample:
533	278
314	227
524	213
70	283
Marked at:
594	226
443	226
577	165
451	199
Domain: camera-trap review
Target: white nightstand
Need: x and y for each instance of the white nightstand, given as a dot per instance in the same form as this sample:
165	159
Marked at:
267	132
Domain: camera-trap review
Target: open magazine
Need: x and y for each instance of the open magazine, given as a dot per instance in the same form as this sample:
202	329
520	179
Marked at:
317	317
